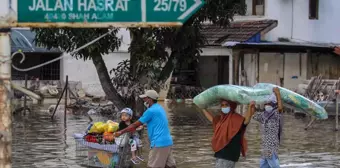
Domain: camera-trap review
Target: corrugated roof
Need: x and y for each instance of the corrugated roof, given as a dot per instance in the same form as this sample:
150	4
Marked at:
296	44
23	39
281	46
238	31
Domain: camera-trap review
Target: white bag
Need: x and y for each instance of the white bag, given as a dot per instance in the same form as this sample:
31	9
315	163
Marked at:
122	140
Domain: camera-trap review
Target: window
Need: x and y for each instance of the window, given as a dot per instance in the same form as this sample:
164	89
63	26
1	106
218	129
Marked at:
48	72
313	9
258	7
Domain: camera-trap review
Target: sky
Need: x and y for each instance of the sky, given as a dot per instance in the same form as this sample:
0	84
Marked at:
4	6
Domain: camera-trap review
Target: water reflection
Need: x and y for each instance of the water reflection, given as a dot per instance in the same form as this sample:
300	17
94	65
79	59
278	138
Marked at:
317	147
40	142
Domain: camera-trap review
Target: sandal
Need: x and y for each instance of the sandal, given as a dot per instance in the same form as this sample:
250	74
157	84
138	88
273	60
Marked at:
135	161
140	158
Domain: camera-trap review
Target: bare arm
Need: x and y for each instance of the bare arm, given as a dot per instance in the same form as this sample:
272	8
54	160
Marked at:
130	128
250	113
276	91
208	115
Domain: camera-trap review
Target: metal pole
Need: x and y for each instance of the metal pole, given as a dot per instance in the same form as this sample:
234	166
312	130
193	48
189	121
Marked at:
25	97
66	86
5	101
337	112
231	69
56	107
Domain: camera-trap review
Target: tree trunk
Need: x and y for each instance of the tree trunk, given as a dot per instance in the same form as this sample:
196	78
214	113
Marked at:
168	68
106	83
133	57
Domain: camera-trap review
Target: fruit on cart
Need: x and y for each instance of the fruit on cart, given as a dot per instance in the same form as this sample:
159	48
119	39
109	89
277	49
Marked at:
90	138
108	136
97	127
111	126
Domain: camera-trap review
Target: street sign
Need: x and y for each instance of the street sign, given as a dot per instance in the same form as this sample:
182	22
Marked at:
105	13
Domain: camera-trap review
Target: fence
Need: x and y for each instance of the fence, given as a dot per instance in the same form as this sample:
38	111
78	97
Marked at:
183	92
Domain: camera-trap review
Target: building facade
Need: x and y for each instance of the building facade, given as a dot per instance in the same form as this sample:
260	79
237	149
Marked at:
298	48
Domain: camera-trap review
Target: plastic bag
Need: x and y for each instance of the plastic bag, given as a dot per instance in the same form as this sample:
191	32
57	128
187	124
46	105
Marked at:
296	100
260	93
238	94
122	140
111	126
98	127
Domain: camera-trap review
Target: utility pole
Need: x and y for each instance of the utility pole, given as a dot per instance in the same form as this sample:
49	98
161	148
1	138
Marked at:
5	100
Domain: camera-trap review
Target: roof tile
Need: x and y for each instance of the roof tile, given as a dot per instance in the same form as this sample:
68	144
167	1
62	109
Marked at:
239	31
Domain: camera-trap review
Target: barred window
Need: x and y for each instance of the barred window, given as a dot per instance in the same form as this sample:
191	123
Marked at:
47	72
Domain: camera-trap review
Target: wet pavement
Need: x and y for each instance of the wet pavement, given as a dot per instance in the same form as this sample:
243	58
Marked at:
40	142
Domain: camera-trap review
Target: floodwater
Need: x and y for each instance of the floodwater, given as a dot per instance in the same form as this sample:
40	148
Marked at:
40	142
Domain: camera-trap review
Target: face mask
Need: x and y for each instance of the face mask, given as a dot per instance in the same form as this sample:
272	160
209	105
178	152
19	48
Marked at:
225	110
146	104
268	108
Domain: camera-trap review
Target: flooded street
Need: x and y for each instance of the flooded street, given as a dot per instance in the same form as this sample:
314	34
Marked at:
40	142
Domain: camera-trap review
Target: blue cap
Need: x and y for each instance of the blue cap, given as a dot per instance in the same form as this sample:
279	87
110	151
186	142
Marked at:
127	111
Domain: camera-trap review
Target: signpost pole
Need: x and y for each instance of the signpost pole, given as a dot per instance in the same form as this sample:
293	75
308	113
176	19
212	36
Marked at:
5	101
337	92
337	113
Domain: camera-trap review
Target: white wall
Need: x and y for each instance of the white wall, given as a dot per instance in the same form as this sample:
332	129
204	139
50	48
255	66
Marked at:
323	30
280	10
125	37
216	51
85	71
294	23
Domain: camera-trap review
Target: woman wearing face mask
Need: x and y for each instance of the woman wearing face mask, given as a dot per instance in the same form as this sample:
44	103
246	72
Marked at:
271	130
228	141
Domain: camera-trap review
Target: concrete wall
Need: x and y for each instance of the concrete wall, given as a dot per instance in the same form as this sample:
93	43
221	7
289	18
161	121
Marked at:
294	23
324	29
85	71
280	10
216	51
208	73
209	66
